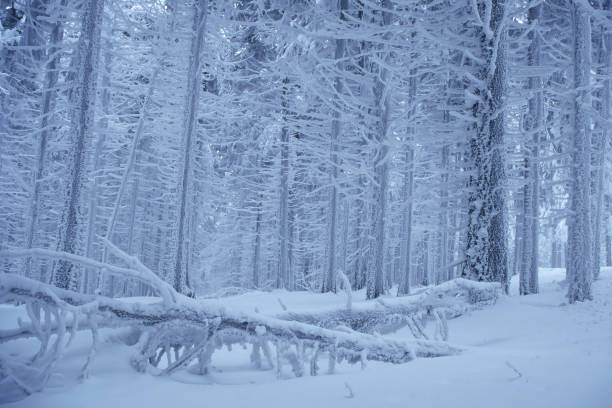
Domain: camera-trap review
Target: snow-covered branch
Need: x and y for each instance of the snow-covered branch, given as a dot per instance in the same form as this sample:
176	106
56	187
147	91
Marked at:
186	330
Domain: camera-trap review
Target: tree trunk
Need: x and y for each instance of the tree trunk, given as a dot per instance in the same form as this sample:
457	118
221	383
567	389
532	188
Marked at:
486	246
579	262
536	117
82	123
601	144
329	283
375	282
608	208
184	185
257	250
406	228
443	223
283	261
48	99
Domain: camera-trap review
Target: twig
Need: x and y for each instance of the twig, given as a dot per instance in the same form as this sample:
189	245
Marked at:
280	302
519	374
350	391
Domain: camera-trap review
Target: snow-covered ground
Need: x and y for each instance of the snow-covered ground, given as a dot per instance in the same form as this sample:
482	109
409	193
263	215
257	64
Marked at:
522	352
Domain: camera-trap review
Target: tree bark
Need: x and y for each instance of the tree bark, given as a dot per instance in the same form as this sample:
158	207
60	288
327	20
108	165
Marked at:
486	247
601	144
184	185
375	282
48	99
84	97
329	283
579	262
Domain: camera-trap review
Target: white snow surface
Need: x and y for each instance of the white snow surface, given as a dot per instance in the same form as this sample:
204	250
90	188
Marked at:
525	351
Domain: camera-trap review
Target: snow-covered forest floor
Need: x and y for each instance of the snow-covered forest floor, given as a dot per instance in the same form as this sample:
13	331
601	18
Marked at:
524	351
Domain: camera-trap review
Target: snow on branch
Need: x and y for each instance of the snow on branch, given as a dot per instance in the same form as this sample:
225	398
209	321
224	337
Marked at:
136	269
445	301
182	332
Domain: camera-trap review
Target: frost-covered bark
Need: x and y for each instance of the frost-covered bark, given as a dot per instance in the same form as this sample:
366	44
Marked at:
486	246
257	247
406	227
579	262
601	145
375	282
194	89
283	222
329	283
451	299
608	228
49	96
531	191
405	262
94	192
84	97
443	270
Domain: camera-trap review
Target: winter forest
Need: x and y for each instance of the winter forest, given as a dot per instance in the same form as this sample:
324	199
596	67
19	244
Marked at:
222	203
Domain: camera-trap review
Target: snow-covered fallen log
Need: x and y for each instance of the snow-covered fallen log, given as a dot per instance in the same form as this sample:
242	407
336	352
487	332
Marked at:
445	301
172	335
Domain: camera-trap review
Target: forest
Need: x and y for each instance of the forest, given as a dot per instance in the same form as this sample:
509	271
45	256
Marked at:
341	180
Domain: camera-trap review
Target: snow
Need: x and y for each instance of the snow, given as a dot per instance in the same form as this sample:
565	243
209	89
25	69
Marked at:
524	351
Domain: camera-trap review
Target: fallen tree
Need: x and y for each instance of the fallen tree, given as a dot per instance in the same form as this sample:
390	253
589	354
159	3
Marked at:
445	301
178	328
179	331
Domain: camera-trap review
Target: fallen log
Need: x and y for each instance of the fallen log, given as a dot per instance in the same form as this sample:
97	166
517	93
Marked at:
448	300
183	331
